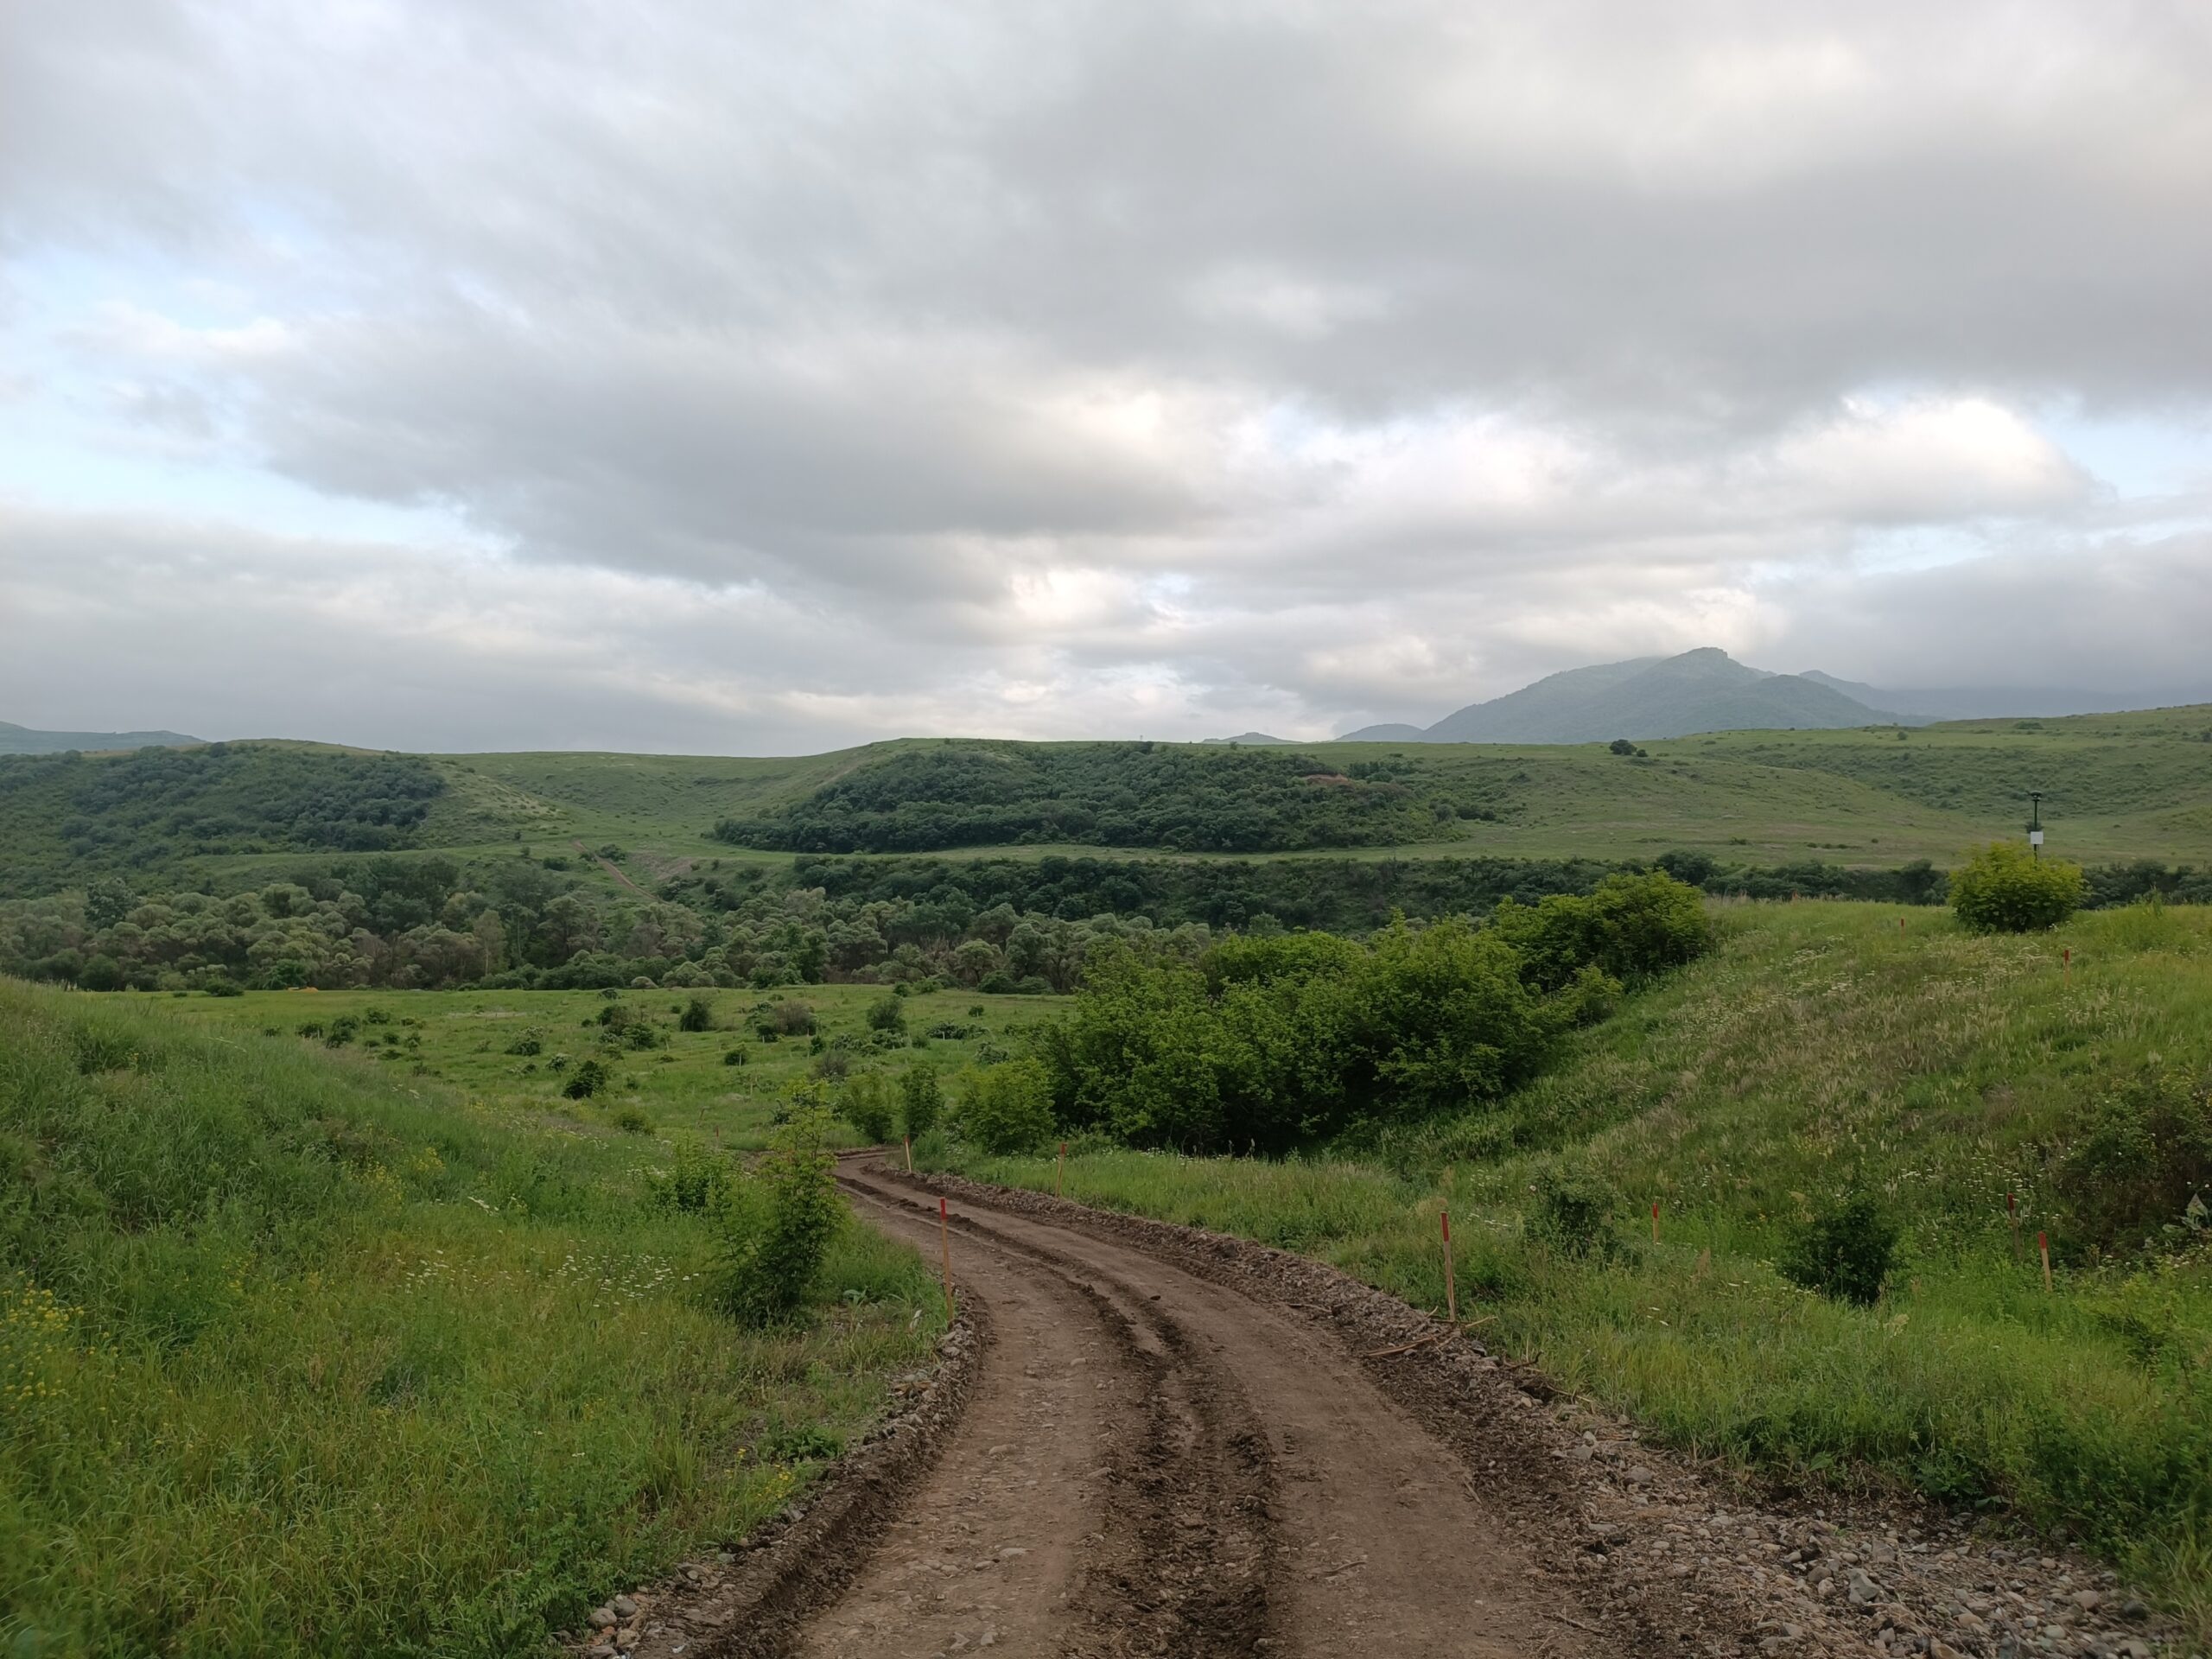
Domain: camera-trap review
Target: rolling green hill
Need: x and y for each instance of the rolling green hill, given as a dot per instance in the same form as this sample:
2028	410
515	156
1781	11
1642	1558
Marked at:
23	740
2117	788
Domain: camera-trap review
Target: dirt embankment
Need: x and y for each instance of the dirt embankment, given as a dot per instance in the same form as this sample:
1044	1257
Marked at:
1165	1442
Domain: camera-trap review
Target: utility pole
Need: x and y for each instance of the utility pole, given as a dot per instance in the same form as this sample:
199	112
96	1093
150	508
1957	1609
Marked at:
2035	825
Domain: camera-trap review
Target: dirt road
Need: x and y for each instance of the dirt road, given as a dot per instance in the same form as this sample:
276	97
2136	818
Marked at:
1154	1463
1143	1439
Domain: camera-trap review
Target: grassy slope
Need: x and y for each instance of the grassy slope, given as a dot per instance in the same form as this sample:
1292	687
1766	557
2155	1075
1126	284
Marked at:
1821	1049
2118	787
299	1358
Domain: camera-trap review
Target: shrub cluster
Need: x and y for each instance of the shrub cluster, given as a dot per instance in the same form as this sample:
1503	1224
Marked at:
1271	1043
776	1224
2002	889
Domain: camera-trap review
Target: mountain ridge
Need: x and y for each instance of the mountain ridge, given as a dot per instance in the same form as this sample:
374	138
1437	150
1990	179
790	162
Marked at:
1645	698
25	740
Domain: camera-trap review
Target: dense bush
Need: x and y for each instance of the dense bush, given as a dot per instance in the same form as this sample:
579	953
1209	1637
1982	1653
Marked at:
1272	1043
869	1105
698	1015
1844	1252
887	1014
1629	928
2138	1160
2002	889
777	1224
588	1079
921	1100
1008	1108
696	1183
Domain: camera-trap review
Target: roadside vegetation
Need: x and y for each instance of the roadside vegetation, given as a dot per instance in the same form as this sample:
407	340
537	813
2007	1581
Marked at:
300	1356
1830	1111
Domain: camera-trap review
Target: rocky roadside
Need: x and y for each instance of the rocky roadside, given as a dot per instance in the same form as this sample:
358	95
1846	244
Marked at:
747	1598
1652	1550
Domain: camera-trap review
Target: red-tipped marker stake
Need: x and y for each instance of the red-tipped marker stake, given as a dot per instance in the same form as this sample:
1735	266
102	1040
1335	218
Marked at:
945	1236
2012	1219
2066	963
909	1141
2042	1249
1060	1172
1451	1291
1655	1222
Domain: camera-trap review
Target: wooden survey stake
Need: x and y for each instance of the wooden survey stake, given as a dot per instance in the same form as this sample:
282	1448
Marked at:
1451	1291
945	1238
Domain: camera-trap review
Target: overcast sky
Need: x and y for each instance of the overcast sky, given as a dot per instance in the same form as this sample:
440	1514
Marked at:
763	378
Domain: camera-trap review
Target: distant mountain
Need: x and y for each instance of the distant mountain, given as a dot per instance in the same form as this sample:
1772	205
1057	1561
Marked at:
22	740
1386	733
1984	703
1253	737
1702	690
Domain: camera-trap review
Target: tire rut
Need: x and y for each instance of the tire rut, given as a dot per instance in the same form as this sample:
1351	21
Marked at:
1181	1555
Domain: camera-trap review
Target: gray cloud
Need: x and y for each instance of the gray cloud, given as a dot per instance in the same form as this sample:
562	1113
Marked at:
792	376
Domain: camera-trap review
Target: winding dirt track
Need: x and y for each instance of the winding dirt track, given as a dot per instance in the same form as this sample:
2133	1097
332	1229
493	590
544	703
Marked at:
1152	1463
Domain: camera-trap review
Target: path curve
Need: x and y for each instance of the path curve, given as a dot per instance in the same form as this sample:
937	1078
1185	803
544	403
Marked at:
1152	1463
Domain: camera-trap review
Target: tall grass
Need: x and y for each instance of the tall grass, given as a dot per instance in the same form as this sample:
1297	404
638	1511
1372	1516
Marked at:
298	1359
1821	1050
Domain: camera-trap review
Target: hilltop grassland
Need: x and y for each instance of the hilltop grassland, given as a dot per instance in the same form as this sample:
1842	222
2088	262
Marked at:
2116	788
300	1356
1824	1051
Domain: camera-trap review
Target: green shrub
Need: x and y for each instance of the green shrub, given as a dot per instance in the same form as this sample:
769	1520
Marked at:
1573	1212
696	1183
633	1120
1629	927
887	1014
698	1015
921	1100
739	1055
2002	889
1844	1252
2139	1159
529	1043
868	1104
778	1225
1008	1108
587	1080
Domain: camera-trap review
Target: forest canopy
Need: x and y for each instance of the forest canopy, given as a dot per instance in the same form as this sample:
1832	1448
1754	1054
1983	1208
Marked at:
1173	798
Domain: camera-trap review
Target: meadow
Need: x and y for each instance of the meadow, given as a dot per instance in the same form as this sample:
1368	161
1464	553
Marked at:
681	1088
1823	1050
309	1351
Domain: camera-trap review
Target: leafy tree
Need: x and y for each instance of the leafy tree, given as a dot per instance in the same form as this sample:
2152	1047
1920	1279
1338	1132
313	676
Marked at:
586	1080
698	1015
1621	745
2002	889
887	1014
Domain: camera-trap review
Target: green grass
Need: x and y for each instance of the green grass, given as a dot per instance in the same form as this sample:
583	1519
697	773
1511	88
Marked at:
2116	787
1820	1051
304	1353
684	1087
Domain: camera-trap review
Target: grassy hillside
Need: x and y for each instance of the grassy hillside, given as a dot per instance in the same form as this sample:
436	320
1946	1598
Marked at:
304	1353
1822	1052
2117	788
